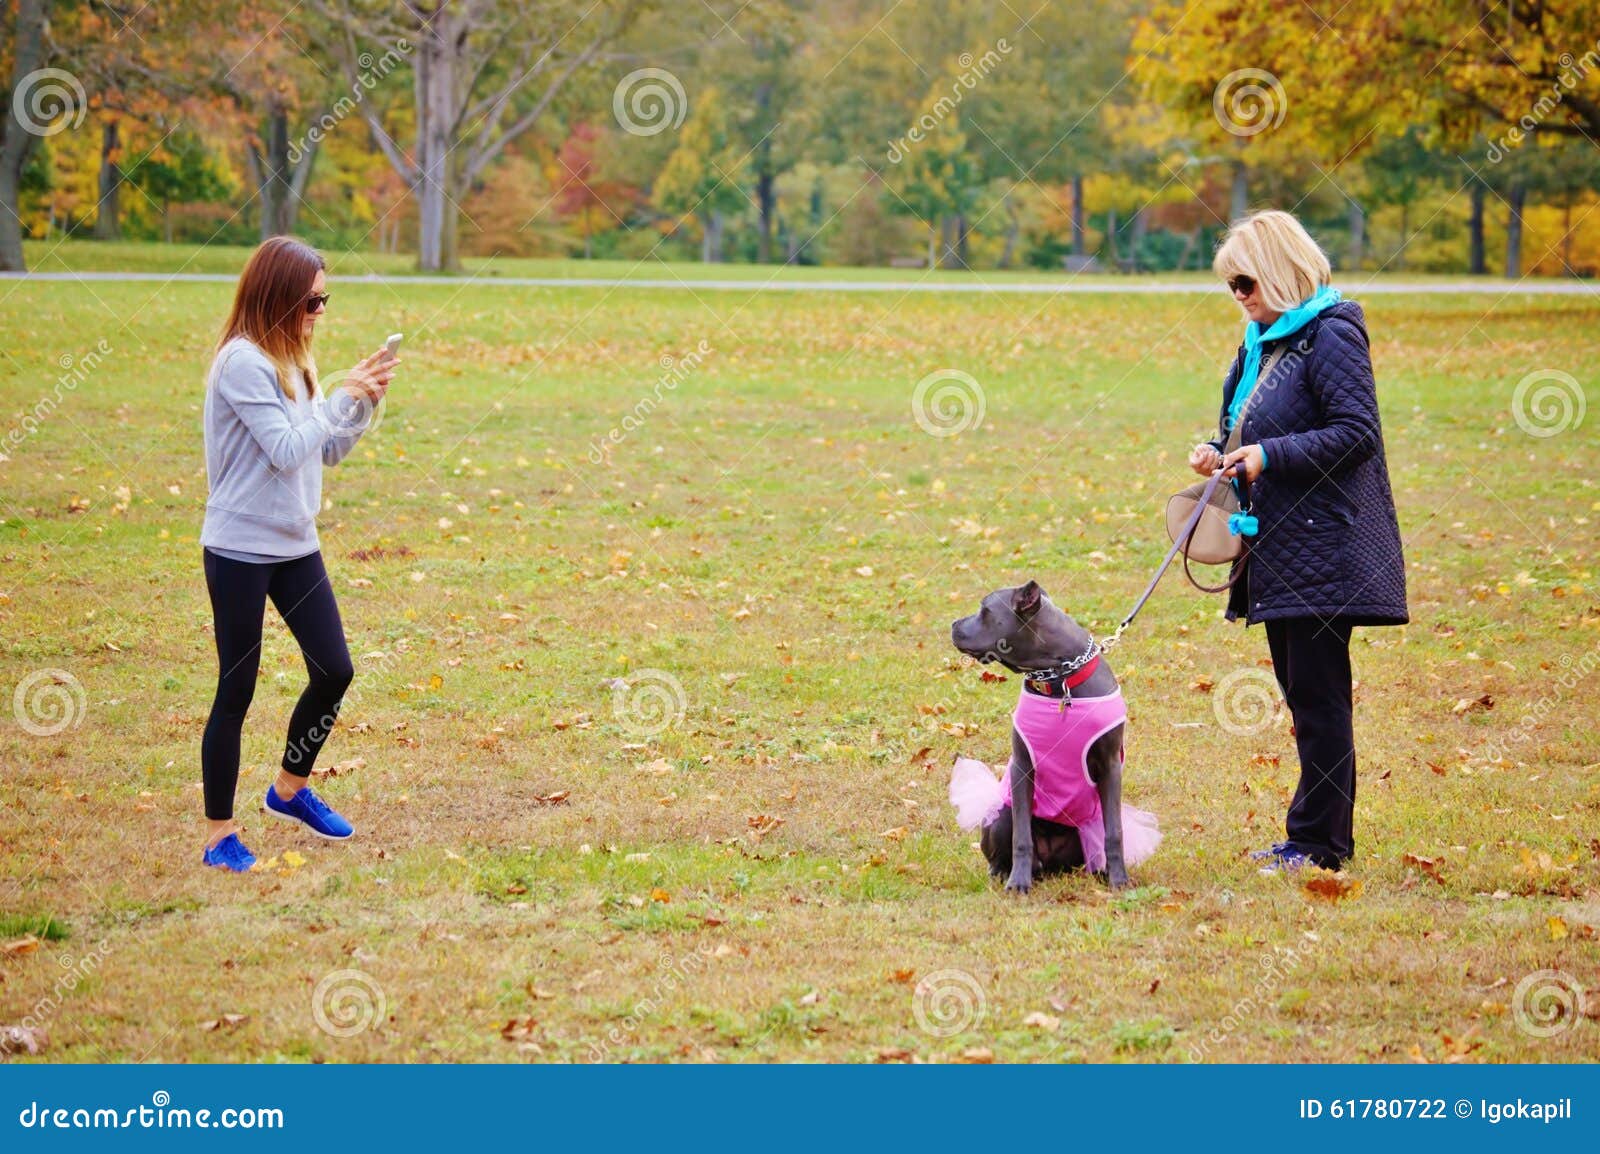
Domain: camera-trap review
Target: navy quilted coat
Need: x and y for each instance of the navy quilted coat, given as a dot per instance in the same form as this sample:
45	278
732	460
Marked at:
1329	542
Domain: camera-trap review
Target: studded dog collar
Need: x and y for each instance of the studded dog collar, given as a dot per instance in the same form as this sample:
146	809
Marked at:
1061	680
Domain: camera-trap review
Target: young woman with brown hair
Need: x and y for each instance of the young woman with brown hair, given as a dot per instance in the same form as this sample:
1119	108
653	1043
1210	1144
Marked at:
269	430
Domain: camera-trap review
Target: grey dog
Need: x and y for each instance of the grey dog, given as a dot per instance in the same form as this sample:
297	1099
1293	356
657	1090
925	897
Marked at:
1021	629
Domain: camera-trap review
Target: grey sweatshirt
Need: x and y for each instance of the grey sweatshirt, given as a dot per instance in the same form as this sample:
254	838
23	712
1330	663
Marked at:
264	455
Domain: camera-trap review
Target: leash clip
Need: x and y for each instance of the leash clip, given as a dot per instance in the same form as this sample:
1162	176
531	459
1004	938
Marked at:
1243	524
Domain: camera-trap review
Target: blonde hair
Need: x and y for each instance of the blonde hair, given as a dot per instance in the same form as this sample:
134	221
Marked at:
1275	250
269	307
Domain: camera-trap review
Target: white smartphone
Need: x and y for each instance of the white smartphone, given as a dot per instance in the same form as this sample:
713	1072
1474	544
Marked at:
393	343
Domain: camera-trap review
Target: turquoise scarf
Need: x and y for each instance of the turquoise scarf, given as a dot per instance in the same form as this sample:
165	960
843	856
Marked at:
1290	322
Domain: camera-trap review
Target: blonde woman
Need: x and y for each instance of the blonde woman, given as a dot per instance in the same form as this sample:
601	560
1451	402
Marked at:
269	430
1325	555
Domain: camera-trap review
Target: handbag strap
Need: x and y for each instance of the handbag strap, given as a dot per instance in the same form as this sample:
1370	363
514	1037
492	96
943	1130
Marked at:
1181	542
1236	434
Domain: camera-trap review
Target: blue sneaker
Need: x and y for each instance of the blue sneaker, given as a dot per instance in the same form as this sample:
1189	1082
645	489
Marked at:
310	811
1286	860
230	854
1268	854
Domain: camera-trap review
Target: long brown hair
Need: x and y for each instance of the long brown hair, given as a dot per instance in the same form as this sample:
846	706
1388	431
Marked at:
269	307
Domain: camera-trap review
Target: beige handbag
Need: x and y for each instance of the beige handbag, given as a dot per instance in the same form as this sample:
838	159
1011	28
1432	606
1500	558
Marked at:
1208	540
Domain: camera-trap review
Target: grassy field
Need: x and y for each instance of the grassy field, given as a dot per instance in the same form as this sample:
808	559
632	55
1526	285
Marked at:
746	854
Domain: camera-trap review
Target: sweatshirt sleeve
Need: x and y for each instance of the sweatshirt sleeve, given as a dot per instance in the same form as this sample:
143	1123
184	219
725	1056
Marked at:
349	417
250	387
1340	378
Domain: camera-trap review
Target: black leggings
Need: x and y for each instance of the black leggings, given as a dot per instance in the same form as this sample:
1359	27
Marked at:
304	599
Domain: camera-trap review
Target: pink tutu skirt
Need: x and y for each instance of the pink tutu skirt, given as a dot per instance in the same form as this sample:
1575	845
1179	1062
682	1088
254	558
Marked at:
979	796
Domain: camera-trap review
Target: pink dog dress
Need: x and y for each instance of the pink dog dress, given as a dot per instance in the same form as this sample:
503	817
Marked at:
1058	739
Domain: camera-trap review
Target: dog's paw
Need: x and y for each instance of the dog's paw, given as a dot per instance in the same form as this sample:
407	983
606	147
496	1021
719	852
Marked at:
1117	879
1020	881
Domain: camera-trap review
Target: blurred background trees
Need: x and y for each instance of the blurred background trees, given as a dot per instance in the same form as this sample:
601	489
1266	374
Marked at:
1452	136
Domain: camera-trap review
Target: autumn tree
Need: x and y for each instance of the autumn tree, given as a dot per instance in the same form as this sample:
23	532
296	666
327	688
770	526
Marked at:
484	72
702	176
26	47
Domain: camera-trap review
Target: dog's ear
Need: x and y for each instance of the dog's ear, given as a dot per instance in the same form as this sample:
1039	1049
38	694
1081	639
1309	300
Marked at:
1025	601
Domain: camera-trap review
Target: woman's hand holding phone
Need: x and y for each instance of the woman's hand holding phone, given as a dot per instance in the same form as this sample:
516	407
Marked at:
370	378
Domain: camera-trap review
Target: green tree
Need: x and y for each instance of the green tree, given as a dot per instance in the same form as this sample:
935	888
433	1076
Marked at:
701	178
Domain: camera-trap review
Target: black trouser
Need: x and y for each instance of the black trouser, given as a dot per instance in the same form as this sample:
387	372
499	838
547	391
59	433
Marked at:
1311	659
304	599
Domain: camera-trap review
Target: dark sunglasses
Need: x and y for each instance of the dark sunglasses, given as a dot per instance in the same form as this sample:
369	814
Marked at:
316	301
1242	284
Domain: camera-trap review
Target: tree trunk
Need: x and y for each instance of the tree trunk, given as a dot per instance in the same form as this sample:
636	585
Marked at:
1405	234
435	79
1013	230
1240	198
1111	237
1077	215
166	221
1136	241
28	54
1566	236
1477	266
1358	234
933	244
1517	196
952	238
275	189
108	209
767	204
280	182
